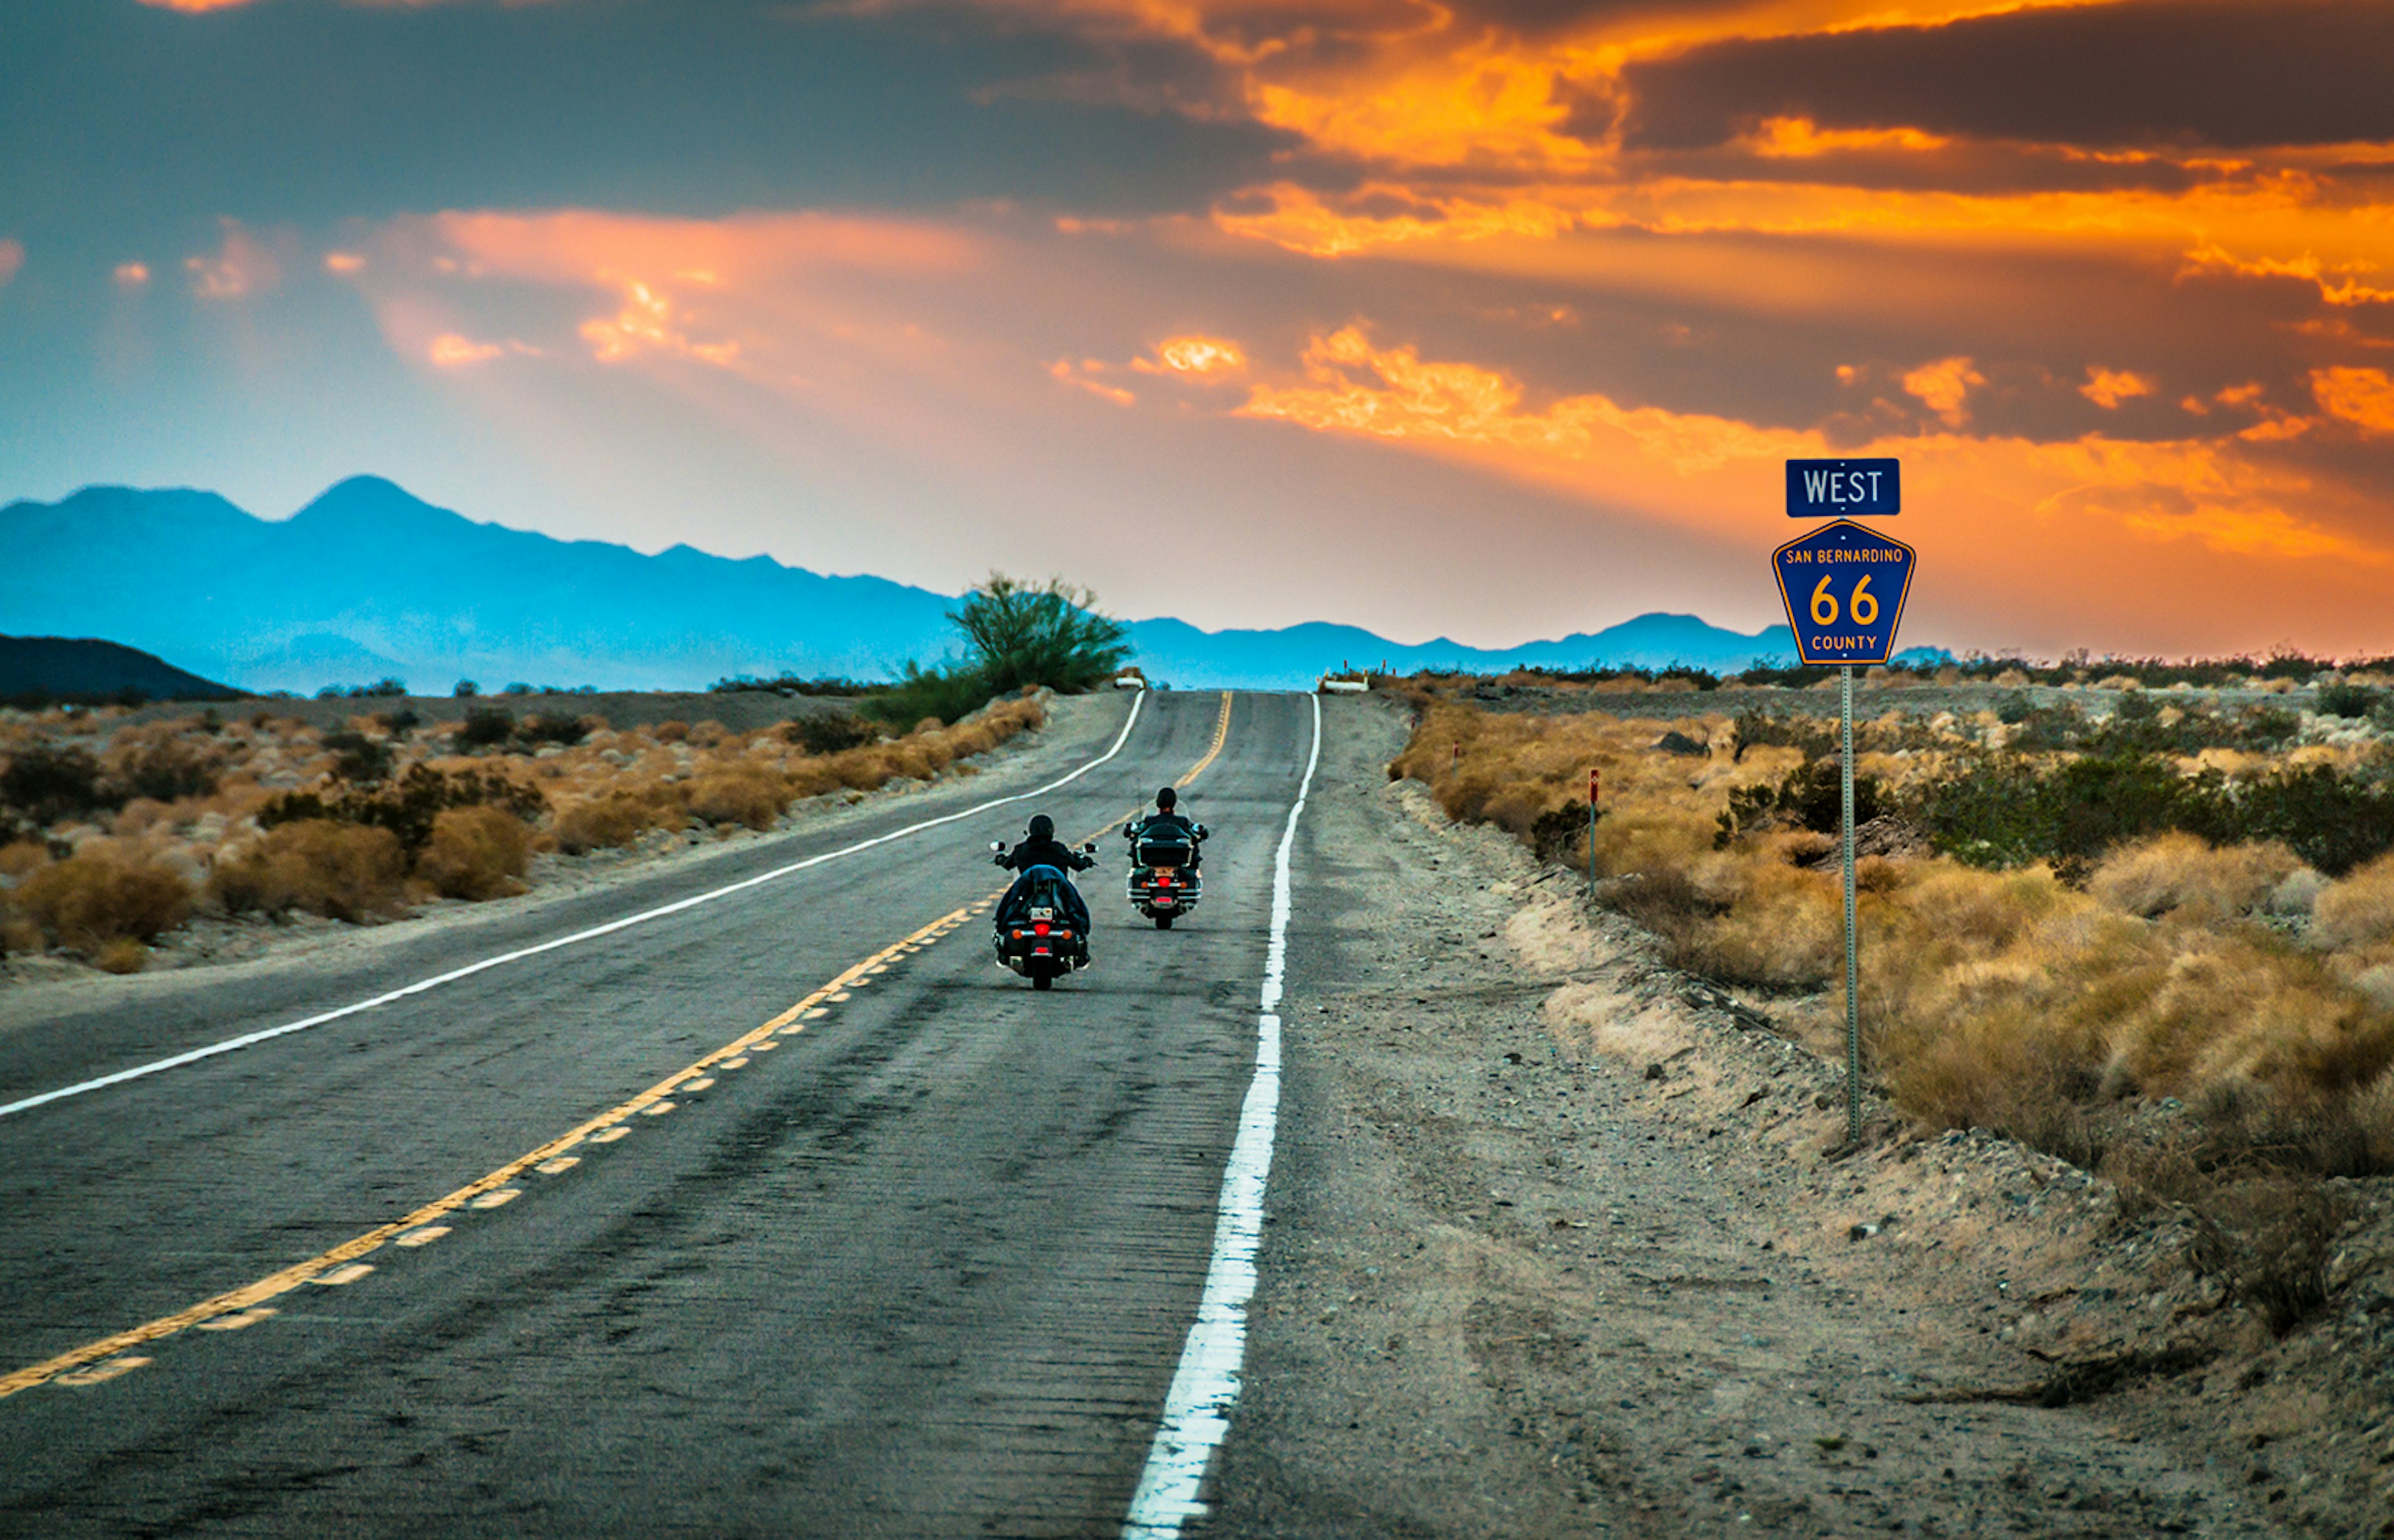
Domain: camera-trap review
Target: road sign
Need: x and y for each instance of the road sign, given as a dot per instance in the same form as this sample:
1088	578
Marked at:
1844	588
1844	488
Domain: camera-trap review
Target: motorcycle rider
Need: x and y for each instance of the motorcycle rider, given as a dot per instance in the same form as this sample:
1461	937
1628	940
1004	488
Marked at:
1166	824
1041	848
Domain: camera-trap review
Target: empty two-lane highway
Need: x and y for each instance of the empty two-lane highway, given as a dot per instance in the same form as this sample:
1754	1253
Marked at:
860	1235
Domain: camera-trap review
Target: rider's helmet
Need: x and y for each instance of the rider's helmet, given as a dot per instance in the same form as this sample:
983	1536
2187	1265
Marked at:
1165	798
1041	827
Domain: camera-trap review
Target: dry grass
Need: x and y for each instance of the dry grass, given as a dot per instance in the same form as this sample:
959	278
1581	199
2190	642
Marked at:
102	894
2184	875
2004	1000
189	795
475	853
342	871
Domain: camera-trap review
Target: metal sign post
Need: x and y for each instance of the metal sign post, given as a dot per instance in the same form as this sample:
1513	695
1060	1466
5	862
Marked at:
1844	586
1853	952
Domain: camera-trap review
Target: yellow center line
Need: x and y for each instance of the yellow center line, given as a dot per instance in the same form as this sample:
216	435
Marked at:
276	1284
1222	736
604	1129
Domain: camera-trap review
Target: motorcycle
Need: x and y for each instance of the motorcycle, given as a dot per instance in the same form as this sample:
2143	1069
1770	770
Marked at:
1165	883
1037	935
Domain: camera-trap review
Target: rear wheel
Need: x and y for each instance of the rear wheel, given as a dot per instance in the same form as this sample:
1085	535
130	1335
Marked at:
1043	973
1163	922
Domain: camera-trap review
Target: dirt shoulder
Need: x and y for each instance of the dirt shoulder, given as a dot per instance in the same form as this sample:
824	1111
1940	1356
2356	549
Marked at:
1561	1242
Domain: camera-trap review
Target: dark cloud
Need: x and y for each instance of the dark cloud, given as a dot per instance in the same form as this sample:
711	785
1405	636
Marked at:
2202	72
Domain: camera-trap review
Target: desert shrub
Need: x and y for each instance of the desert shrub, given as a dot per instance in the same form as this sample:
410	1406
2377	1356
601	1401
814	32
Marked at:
2333	822
1815	738
475	852
743	795
947	693
552	726
2175	871
400	723
46	785
408	808
1813	797
829	732
2359	910
1556	833
122	955
341	869
2268	1242
164	769
670	733
485	727
20	856
99	896
357	758
2348	700
616	820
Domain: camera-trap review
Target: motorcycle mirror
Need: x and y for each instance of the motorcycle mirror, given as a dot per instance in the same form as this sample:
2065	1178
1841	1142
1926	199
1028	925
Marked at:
996	844
1091	848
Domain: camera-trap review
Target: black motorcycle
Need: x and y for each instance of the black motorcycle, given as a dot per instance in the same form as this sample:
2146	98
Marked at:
1042	930
1164	883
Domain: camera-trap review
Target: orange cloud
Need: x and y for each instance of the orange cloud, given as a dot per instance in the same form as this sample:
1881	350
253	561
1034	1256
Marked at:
2362	397
649	322
2108	387
1943	385
12	257
1800	139
194	8
452	352
1693	469
344	262
131	275
241	266
1197	357
1063	371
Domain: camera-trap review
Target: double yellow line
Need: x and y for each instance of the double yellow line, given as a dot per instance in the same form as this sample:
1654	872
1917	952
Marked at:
233	1307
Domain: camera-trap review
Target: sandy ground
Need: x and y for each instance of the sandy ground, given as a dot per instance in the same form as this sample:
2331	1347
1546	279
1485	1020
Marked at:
1561	1242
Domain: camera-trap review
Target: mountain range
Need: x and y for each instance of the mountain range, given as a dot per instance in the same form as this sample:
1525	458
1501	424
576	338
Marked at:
368	581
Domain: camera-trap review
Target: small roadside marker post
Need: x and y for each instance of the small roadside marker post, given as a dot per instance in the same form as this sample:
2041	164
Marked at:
1843	619
1594	783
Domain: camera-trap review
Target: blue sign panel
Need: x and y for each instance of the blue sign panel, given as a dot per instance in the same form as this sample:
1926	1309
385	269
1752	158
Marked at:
1844	488
1844	588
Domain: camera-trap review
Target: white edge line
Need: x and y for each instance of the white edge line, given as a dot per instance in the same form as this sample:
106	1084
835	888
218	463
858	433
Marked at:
251	1039
1204	1388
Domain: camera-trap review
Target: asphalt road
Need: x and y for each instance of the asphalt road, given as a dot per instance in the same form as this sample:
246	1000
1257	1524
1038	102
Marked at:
921	1266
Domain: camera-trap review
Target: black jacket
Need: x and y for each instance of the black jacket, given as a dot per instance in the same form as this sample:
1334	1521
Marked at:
1045	852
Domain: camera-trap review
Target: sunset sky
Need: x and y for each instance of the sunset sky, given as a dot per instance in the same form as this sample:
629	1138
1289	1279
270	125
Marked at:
1493	320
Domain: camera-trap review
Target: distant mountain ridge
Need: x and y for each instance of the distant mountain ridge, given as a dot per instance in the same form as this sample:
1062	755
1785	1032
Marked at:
368	581
83	668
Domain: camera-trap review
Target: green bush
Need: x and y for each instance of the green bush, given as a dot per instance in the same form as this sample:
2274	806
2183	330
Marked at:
831	732
947	693
1813	797
2348	700
1023	636
2005	809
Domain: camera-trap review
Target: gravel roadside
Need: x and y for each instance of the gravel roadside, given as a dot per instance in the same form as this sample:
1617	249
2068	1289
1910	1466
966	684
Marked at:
1560	1244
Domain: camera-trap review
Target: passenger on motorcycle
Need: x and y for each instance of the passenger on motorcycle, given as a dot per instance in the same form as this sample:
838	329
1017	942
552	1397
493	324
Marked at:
1164	826
1041	848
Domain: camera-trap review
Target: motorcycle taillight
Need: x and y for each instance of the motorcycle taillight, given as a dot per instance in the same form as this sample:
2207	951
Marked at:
1040	929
